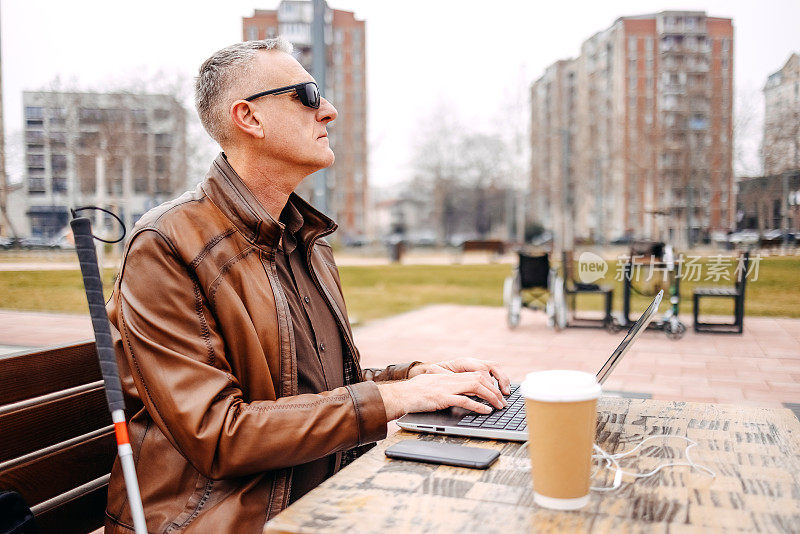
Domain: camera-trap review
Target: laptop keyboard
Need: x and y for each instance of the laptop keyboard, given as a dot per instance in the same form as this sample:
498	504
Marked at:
512	417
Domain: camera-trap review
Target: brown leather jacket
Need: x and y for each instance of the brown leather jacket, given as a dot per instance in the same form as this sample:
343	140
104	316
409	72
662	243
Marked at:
206	353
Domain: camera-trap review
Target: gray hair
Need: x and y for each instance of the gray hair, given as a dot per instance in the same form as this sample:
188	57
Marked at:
217	77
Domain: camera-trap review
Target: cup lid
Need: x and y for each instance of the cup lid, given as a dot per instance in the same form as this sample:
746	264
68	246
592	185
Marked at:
560	386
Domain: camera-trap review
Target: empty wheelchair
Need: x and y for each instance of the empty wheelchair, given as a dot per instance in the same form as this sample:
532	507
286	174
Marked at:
535	285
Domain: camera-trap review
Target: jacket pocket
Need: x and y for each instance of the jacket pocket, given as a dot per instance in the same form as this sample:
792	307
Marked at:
203	489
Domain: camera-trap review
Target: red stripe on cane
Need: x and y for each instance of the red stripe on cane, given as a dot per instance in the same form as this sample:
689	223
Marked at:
121	430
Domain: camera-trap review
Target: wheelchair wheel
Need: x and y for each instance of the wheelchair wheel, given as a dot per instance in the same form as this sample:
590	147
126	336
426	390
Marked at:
613	325
557	304
512	301
674	329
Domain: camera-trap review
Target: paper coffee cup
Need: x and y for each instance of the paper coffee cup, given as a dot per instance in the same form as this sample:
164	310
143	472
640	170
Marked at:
561	408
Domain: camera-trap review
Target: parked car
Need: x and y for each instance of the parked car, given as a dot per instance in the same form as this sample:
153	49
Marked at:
622	240
543	240
772	238
63	242
355	241
744	237
35	242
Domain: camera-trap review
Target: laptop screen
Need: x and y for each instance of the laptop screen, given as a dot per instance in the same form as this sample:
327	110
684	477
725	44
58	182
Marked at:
630	337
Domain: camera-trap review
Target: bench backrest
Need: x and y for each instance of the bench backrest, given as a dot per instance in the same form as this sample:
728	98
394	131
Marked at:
743	265
57	441
495	246
534	271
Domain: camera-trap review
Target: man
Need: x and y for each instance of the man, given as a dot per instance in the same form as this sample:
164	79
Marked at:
233	340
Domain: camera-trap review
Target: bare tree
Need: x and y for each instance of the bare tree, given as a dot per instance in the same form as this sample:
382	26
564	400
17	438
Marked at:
747	123
436	164
485	173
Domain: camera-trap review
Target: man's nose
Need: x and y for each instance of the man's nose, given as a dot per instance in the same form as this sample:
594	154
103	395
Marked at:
326	112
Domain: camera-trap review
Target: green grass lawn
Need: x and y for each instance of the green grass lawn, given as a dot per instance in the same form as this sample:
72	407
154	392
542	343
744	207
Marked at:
374	292
58	291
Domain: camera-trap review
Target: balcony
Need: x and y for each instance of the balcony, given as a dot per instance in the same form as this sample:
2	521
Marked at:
673	88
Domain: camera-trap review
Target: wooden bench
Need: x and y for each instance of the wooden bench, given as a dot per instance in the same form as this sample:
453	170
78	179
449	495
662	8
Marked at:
57	441
574	287
735	293
495	247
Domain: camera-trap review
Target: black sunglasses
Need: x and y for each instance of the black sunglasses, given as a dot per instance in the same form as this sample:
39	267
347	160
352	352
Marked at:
308	92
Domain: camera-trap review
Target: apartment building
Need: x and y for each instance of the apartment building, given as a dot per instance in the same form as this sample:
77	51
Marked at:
123	152
345	86
781	141
637	132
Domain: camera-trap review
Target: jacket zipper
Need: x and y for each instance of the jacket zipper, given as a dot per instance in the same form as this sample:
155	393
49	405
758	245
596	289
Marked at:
292	391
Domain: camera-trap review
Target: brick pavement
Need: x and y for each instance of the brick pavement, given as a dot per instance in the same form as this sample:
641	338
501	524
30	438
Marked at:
760	367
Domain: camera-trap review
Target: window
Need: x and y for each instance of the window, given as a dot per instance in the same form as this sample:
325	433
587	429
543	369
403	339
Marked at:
34	139
89	140
139	117
251	33
118	138
36	160
90	115
57	116
87	174
59	184
114	176
698	122
34	112
58	163
162	164
162	185
163	140
36	186
58	140
141	173
161	114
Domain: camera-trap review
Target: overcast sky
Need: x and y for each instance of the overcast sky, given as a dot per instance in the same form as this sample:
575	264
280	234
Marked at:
472	57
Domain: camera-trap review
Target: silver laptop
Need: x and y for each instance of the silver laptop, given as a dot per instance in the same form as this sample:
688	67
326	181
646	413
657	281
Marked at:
509	423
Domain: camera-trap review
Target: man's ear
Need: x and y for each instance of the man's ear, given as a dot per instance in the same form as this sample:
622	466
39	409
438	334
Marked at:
244	119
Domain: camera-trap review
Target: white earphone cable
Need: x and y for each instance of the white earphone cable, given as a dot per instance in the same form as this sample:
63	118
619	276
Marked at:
611	460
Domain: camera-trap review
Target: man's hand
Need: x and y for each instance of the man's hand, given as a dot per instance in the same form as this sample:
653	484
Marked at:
465	365
439	390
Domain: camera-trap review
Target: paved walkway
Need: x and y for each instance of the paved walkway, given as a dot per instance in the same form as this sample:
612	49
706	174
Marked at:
760	367
65	262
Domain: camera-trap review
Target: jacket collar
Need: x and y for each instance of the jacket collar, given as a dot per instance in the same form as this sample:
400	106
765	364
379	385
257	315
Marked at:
230	194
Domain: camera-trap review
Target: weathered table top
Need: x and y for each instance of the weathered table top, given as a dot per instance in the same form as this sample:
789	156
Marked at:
755	453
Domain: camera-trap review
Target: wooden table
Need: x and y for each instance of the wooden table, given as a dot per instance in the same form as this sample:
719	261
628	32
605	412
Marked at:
755	453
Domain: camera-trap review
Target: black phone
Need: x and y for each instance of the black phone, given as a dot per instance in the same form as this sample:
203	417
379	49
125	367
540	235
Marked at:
437	452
